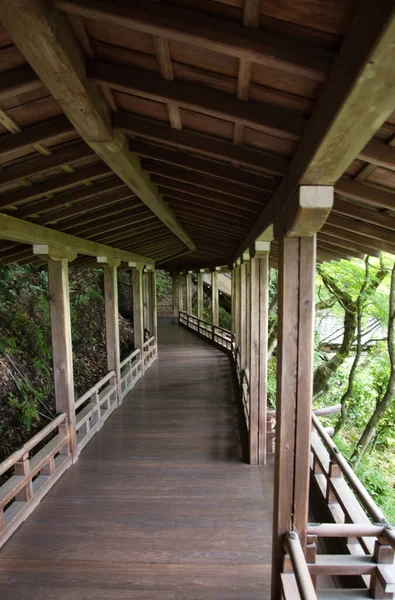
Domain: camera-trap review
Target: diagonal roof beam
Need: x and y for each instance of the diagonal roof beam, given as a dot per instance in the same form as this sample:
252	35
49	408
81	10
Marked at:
48	43
357	99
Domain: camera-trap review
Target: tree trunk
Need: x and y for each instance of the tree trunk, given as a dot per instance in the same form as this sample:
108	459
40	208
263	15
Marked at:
351	378
383	404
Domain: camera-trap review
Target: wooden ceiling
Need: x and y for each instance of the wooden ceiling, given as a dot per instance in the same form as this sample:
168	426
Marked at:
182	126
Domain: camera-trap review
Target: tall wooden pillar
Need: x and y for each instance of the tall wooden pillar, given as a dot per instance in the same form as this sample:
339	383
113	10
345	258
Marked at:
215	298
176	297
238	302
138	310
146	301
153	304
189	293
181	291
62	352
259	288
200	295
110	269
233	300
243	316
295	354
248	313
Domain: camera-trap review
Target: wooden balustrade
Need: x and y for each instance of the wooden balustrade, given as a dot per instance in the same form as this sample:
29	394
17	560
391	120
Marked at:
220	336
357	519
94	408
149	352
131	371
296	581
36	468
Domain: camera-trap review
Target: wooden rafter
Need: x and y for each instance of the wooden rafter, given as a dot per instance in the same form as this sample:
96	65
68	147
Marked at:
269	118
342	123
190	27
201	143
31	27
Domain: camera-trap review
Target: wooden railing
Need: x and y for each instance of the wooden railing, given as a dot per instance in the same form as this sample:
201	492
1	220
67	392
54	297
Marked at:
35	468
31	476
296	581
149	352
356	519
94	408
220	336
131	372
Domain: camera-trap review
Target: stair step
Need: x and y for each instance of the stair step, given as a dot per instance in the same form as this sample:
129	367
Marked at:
342	564
338	594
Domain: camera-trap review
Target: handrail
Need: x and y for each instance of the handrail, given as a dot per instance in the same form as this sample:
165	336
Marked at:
129	358
94	389
36	439
299	566
363	495
149	341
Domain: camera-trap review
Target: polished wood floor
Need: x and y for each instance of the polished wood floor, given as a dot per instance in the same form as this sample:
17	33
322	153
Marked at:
160	505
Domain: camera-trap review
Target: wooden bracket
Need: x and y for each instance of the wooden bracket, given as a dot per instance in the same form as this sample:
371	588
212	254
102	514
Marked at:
55	253
308	213
111	262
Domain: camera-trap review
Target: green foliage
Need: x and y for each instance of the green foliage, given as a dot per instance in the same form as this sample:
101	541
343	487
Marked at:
164	284
225	318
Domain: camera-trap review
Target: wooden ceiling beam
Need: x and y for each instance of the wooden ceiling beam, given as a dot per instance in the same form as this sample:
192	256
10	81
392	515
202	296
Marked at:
357	99
23	232
366	194
126	232
18	81
205	227
48	130
201	143
205	166
69	198
379	154
331	235
381	239
207	205
262	116
45	163
85	207
178	188
355	211
130	220
202	181
52	185
338	250
103	213
212	216
207	32
59	62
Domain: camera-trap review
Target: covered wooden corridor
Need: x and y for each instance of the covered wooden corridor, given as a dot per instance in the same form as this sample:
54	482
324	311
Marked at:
160	503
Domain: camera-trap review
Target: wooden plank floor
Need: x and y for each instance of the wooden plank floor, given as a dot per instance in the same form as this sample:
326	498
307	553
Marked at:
159	506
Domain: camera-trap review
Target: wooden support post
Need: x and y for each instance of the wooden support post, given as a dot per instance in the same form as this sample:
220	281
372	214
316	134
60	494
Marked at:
233	300
243	316
259	285
295	354
248	314
215	299
181	291
146	302
294	393
138	311
153	305
176	296
110	269
200	295
62	352
189	292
